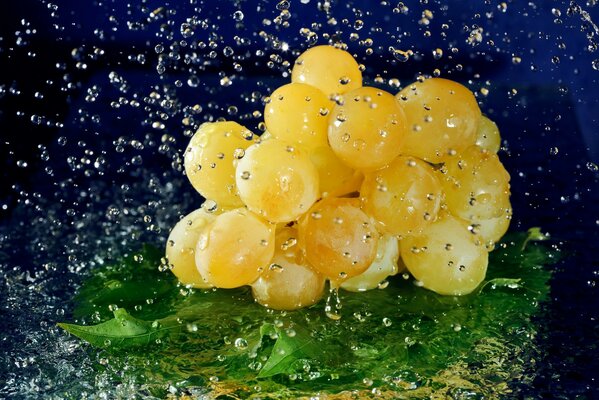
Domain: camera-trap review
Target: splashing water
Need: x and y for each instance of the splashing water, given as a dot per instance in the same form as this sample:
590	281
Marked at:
98	102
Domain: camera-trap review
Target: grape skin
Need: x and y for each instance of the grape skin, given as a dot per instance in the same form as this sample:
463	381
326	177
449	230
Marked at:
210	160
487	136
403	197
234	249
277	180
288	283
367	131
383	266
180	248
332	70
442	117
335	178
445	257
476	185
339	239
298	113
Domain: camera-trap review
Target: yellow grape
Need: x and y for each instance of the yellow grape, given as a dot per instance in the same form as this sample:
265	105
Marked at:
210	160
298	113
445	257
367	132
383	266
181	244
491	230
277	180
488	136
332	70
288	283
336	178
442	118
476	185
339	239
234	249
403	197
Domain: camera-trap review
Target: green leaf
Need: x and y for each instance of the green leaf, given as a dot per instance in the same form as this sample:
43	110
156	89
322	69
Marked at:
121	331
534	234
401	337
290	346
510	283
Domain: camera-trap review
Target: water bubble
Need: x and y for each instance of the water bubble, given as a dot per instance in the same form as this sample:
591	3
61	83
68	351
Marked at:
595	64
591	166
241	343
238	15
193	81
245	175
400	55
333	304
283	5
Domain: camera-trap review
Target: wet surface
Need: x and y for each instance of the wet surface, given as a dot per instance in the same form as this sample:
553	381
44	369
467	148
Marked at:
97	106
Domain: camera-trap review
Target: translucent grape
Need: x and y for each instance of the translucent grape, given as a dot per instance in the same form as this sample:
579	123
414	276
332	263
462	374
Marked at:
335	177
288	283
298	113
476	185
234	249
367	132
403	197
383	266
338	238
445	257
332	70
491	230
210	160
181	244
488	136
277	180
442	117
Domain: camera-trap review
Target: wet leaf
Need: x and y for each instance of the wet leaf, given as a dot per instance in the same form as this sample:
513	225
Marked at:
288	349
122	331
403	331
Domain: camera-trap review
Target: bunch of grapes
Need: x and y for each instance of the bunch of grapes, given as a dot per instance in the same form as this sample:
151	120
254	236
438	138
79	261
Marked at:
348	184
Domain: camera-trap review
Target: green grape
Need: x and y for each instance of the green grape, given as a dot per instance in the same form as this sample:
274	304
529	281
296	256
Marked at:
339	239
211	157
277	180
332	70
298	113
403	197
181	244
487	136
442	117
335	177
445	257
383	266
234	249
491	230
288	283
367	131
476	185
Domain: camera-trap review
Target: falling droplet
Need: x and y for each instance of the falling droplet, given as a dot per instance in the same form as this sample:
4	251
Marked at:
333	304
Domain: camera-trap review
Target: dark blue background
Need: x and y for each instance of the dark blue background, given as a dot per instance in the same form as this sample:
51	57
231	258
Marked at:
546	102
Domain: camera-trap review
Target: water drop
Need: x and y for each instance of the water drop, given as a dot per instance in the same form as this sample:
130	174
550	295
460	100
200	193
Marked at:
333	304
241	343
238	15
